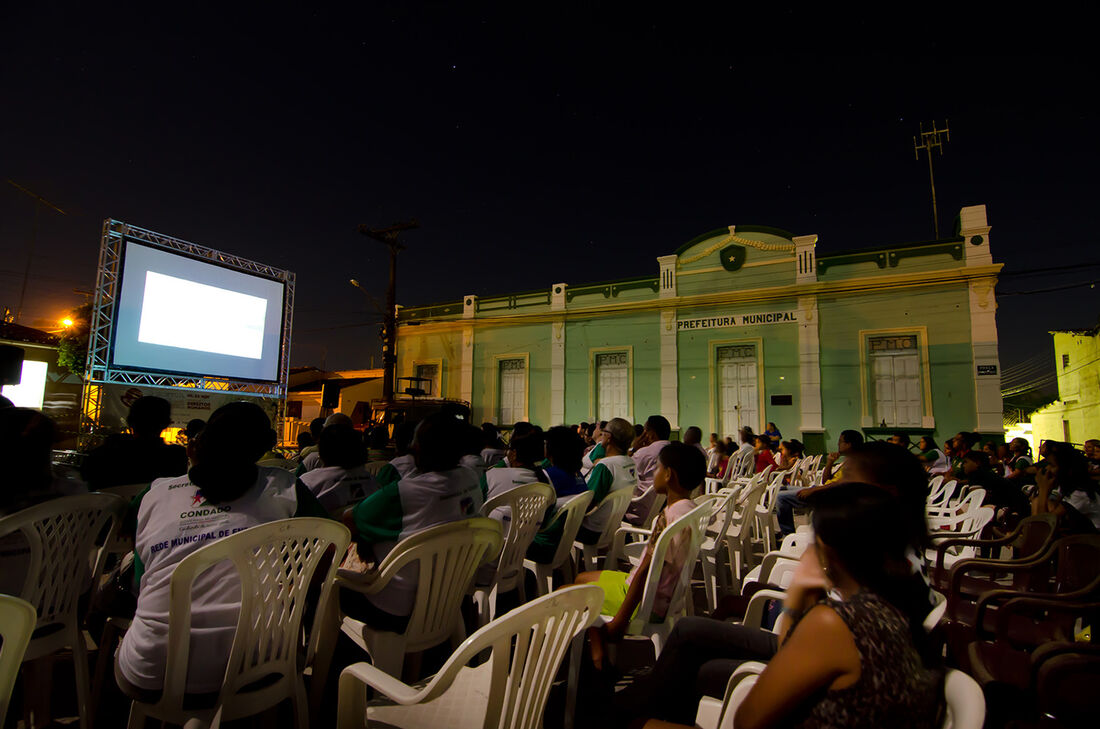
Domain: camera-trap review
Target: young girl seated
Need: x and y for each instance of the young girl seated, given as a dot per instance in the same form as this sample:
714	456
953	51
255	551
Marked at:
680	469
764	455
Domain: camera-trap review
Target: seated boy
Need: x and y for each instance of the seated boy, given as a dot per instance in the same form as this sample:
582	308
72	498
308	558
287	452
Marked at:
680	469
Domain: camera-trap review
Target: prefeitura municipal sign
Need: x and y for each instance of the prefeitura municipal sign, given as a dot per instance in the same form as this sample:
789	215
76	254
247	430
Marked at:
738	320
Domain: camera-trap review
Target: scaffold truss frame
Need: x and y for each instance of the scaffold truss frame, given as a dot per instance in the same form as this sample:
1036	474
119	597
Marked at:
99	370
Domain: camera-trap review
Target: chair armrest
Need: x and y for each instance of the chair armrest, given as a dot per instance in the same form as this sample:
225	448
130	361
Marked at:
1027	564
1064	602
381	681
754	612
1060	599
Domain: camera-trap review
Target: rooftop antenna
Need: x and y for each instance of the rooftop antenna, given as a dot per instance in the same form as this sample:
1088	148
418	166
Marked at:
928	141
39	201
391	237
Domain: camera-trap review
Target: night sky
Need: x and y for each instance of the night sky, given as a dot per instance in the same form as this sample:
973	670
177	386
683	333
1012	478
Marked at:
574	147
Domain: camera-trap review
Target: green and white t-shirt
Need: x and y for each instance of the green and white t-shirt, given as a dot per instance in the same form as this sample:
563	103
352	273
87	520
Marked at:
399	510
337	487
591	458
397	469
610	474
174	520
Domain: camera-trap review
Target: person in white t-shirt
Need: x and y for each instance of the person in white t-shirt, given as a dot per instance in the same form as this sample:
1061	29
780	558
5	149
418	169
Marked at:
223	493
344	478
654	437
614	471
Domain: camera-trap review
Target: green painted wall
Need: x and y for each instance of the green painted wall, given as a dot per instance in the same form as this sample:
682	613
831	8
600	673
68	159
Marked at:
636	331
491	342
777	349
944	311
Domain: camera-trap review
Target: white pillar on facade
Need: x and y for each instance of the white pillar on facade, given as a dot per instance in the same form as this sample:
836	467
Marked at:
557	356
668	276
809	336
983	323
809	364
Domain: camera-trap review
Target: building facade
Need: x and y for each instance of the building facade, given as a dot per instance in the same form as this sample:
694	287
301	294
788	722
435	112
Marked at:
1075	416
740	326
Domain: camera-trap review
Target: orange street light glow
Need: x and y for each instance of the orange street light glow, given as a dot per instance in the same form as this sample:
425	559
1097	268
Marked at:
66	322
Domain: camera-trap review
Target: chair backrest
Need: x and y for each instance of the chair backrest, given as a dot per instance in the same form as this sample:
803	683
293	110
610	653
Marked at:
965	702
749	498
695	523
1078	562
61	535
571	512
447	556
17	619
934	487
528	645
616	503
935	615
724	505
795	544
740	683
525	507
946	491
655	507
275	563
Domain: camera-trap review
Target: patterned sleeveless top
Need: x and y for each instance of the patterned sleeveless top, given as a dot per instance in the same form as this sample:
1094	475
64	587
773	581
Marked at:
893	690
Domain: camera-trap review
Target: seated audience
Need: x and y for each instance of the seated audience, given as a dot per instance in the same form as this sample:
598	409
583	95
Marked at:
961	444
1006	496
647	448
790	453
680	469
901	439
378	441
861	556
344	478
1019	462
494	448
439	491
315	427
693	436
1092	455
272	453
593	455
473	440
614	471
839	654
719	461
774	436
1064	488
140	456
788	501
937	463
764	455
563	449
524	454
26	446
225	492
313	460
404	463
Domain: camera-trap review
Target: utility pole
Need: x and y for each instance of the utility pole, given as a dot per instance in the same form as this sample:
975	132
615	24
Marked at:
38	202
928	141
391	238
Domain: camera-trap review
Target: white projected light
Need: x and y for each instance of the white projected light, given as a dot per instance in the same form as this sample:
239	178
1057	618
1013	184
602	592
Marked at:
189	315
31	388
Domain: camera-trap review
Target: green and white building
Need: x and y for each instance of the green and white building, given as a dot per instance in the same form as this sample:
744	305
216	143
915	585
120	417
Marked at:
738	326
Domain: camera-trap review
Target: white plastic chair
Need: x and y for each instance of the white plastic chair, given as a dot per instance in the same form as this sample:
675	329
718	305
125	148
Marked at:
126	491
17	619
655	506
715	714
526	505
63	562
965	702
275	563
447	558
969	524
509	690
766	523
712	552
935	615
570	513
940	496
739	530
972	500
616	504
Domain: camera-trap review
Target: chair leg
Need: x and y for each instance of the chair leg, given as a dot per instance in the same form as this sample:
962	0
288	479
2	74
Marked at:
544	579
83	689
351	712
708	582
137	717
387	651
327	626
102	665
571	682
